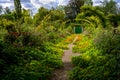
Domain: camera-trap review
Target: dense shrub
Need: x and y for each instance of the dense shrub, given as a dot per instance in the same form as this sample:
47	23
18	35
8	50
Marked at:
28	63
100	61
29	48
7	24
108	42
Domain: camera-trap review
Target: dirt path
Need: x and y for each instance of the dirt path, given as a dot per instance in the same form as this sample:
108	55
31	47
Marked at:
62	74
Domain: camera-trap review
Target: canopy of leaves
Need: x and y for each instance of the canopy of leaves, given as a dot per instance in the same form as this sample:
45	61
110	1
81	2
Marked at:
88	11
18	7
109	6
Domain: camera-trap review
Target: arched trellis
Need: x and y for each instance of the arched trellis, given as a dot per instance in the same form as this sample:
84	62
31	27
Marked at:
84	21
92	21
88	11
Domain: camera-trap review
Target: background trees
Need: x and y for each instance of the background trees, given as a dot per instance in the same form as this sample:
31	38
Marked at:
18	10
42	12
88	11
30	47
109	7
0	9
88	3
73	8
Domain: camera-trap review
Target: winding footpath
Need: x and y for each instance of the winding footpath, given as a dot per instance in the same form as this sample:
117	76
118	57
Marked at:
62	73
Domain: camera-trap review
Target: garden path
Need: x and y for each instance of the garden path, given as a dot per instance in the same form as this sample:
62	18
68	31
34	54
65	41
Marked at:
62	73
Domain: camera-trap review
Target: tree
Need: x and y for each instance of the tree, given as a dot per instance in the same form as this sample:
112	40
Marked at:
109	7
7	10
113	19
60	7
18	10
6	14
56	15
1	9
73	8
88	2
38	17
88	11
27	16
118	10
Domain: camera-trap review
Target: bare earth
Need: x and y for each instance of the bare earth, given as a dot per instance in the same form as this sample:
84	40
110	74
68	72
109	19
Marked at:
62	74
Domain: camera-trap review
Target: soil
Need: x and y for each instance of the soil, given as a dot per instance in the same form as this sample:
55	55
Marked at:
62	73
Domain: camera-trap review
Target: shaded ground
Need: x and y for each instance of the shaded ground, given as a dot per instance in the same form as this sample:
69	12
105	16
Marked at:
62	74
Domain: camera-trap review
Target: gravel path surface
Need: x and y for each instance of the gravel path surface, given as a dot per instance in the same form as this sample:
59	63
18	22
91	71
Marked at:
62	73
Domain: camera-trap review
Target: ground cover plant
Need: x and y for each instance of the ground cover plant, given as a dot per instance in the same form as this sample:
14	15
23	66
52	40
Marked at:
31	46
30	49
100	59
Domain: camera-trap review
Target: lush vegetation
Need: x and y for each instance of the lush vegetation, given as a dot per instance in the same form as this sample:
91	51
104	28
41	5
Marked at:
31	46
99	59
98	45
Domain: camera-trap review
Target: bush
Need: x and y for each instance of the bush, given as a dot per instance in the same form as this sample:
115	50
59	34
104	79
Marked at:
108	42
94	67
28	63
100	61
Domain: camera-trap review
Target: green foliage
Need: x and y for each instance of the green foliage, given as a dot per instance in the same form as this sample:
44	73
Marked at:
9	16
108	42
56	15
88	2
27	19
109	7
3	32
113	20
28	63
40	15
100	61
95	68
60	7
93	65
73	8
90	12
4	23
1	9
30	49
7	10
28	52
18	10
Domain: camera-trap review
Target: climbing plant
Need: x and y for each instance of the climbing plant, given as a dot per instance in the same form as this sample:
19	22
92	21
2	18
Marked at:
88	11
